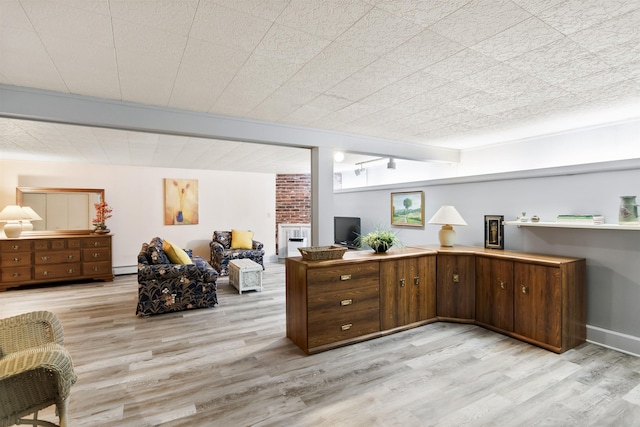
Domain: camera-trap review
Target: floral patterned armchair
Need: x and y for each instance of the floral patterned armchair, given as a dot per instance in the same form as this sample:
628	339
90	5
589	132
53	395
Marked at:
165	287
222	253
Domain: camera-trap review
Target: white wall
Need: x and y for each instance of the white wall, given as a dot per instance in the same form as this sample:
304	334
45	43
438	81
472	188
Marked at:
136	194
613	256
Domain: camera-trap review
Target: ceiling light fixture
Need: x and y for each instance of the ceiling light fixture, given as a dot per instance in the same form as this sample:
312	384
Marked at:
391	164
338	156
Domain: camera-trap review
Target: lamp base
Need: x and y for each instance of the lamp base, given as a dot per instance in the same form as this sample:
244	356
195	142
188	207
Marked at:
12	229
447	236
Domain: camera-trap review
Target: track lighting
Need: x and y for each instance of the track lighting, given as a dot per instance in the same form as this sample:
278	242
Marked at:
391	164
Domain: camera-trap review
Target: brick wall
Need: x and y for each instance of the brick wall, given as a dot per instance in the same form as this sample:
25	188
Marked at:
293	200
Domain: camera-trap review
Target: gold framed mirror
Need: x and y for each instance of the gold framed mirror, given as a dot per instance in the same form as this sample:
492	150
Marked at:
63	210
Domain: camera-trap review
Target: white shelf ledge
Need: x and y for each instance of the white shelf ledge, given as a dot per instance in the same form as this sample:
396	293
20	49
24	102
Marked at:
635	227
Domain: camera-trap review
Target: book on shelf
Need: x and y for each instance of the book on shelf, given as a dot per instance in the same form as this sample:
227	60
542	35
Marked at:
581	219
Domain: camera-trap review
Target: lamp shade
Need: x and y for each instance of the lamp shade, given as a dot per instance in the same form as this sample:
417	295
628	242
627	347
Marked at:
447	215
13	213
33	215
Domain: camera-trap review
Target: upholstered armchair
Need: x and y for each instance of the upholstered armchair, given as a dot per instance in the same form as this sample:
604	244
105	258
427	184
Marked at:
166	285
36	370
223	250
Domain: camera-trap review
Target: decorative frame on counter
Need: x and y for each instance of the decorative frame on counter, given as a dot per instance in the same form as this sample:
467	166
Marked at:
494	231
412	204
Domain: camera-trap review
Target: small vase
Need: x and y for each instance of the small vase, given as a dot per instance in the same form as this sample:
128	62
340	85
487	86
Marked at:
179	217
628	213
380	249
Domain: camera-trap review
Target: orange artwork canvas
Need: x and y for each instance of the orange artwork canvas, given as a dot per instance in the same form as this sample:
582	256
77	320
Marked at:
180	201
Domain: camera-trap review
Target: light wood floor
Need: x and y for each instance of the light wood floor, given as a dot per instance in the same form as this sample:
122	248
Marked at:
232	365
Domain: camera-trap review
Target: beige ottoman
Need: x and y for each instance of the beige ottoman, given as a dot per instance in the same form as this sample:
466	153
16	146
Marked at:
245	275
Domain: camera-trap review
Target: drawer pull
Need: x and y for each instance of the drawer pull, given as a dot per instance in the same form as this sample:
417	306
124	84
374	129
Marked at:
71	271
525	289
44	258
15	275
456	278
15	259
70	256
402	283
46	273
15	247
346	327
96	268
503	284
346	302
416	280
96	243
96	254
345	277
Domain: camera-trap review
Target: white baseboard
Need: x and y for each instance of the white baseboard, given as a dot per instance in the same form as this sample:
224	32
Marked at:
125	269
614	340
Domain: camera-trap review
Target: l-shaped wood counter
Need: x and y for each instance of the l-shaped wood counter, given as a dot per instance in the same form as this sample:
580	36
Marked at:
539	299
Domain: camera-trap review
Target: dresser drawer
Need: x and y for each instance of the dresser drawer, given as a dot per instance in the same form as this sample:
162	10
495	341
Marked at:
96	242
46	244
57	271
332	303
15	246
56	257
342	277
17	274
96	268
96	254
18	259
343	327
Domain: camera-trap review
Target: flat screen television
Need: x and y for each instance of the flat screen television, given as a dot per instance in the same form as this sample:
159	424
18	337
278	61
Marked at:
346	230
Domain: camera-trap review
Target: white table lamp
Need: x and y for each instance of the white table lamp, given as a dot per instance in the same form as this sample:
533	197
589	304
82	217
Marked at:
33	216
447	216
12	215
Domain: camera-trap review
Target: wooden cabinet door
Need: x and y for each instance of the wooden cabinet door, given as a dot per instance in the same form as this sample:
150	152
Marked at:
494	292
538	302
407	291
456	284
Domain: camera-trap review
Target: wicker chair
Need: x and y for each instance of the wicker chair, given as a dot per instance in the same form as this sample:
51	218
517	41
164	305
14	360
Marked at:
35	369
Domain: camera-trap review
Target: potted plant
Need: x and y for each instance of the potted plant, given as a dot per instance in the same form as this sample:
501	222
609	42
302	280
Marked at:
380	240
103	212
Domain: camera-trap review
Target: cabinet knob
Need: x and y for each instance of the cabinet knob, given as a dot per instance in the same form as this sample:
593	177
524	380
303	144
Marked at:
345	277
416	280
503	284
525	289
346	327
346	302
456	278
402	283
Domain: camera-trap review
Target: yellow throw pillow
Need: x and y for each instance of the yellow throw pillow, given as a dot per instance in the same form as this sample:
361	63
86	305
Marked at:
175	254
241	239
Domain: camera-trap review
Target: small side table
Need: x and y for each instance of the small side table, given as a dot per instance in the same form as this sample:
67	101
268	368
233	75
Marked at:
245	275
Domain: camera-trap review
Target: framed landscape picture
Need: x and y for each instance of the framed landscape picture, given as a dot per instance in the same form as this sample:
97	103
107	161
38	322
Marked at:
493	230
407	209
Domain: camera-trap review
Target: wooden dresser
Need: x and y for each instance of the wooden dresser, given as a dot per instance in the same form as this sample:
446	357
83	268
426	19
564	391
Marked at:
48	259
540	299
362	296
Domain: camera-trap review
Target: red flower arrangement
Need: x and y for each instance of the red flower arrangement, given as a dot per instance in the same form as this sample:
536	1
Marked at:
103	212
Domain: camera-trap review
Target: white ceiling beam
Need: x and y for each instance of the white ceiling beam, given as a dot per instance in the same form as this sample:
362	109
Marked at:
33	104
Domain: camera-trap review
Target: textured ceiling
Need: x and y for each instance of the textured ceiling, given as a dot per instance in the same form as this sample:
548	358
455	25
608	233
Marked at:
441	73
